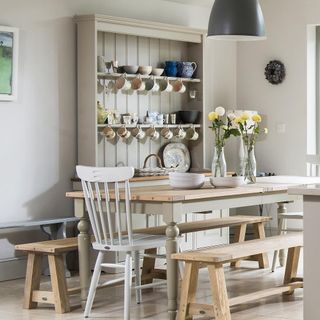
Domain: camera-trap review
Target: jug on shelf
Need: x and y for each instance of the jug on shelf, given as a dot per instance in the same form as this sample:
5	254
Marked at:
186	69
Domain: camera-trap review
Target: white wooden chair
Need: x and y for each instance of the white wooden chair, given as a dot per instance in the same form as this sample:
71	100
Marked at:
313	170
102	197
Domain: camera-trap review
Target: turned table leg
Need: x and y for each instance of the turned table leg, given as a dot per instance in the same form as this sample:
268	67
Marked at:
84	249
281	209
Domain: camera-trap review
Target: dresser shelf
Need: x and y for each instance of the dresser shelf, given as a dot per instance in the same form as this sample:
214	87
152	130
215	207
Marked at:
106	75
146	126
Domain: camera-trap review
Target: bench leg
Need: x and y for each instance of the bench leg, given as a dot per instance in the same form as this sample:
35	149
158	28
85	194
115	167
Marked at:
291	266
240	234
260	234
188	288
148	266
221	307
59	284
32	279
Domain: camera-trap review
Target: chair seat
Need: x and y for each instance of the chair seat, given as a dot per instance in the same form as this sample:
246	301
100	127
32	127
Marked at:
140	242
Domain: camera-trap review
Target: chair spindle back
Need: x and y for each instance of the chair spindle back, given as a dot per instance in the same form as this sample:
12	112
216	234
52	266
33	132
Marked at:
102	197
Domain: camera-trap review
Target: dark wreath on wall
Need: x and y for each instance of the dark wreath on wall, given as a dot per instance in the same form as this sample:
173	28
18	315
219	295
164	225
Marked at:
275	72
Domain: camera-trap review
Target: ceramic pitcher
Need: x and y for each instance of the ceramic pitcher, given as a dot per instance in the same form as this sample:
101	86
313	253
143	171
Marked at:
171	68
186	69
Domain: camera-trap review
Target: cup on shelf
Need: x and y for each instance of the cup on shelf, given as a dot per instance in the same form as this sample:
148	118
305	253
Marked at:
152	133
173	118
166	118
109	133
178	86
179	133
192	134
123	132
127	119
122	83
151	85
166	133
160	118
138	133
138	84
165	85
101	67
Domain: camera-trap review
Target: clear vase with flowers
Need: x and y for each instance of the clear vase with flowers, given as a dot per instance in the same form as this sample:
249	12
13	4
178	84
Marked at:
223	128
249	127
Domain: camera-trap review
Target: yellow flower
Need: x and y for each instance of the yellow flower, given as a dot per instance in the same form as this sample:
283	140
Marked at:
256	118
224	127
213	116
245	116
266	130
238	120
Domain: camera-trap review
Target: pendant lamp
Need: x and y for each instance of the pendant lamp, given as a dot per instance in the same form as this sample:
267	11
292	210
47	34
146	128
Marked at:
240	20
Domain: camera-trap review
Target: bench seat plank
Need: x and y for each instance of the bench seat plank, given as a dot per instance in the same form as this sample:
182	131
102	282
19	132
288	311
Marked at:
50	246
234	251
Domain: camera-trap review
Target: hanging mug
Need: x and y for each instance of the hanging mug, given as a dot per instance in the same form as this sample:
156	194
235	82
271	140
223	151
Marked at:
165	85
179	133
152	133
178	86
122	83
123	132
138	133
151	85
109	133
166	133
138	84
192	134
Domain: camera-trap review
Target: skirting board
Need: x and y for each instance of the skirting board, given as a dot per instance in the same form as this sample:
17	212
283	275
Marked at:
13	268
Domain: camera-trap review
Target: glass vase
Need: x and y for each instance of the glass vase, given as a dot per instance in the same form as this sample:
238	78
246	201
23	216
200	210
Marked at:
219	166
249	166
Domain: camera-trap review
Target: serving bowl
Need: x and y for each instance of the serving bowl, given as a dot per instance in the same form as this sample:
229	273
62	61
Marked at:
188	116
179	180
130	69
157	71
228	182
145	70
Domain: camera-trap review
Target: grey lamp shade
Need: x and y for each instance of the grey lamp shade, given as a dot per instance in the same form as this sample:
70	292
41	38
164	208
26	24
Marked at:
236	20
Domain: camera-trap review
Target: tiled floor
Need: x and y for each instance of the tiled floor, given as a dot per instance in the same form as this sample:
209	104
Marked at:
109	302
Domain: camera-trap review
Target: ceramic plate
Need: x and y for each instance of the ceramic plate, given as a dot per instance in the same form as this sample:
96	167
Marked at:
176	155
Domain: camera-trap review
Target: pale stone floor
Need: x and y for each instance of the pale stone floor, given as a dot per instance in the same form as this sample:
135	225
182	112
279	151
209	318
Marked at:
109	302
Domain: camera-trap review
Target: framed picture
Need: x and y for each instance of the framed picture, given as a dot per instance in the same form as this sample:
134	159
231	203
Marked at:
9	42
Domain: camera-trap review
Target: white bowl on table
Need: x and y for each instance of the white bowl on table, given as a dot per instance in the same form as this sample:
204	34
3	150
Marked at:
228	182
179	180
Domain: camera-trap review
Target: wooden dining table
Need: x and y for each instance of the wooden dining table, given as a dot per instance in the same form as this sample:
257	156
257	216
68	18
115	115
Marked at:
174	204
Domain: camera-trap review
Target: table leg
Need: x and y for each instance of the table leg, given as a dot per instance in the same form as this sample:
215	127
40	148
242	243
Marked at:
83	249
281	209
172	233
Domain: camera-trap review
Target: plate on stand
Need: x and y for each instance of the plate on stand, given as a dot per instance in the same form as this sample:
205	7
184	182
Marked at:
176	155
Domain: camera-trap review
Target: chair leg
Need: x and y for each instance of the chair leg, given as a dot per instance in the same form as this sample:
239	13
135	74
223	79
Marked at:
221	307
138	276
58	282
93	284
281	226
32	279
127	286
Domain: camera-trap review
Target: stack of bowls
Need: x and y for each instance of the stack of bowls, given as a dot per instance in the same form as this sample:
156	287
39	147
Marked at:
184	180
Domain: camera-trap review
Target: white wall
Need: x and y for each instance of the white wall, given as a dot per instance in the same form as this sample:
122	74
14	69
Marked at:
286	26
38	131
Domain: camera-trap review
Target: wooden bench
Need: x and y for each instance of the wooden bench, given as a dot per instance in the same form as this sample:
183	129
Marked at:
149	272
215	257
54	249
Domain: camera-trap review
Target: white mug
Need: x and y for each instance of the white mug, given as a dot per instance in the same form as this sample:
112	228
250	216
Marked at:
151	85
179	133
123	132
166	133
165	85
192	134
152	133
138	133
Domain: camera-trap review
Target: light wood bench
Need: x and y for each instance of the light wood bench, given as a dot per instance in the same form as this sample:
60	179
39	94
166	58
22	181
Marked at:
54	249
215	257
149	272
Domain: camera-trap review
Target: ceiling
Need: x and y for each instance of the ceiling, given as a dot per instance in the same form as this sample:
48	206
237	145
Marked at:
200	3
